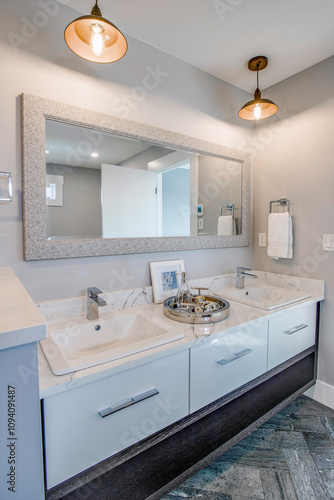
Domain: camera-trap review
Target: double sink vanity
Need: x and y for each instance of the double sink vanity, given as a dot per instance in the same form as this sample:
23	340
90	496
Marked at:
137	389
133	402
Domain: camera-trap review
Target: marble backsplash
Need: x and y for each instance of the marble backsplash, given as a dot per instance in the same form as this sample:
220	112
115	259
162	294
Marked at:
76	306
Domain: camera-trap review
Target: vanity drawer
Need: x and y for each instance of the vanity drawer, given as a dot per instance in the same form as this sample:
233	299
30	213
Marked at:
224	364
291	333
87	424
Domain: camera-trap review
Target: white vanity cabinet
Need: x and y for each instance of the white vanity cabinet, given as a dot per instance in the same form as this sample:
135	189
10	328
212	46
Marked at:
226	363
87	424
92	422
291	333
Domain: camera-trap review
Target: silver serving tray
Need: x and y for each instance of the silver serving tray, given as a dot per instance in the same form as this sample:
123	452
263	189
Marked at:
188	313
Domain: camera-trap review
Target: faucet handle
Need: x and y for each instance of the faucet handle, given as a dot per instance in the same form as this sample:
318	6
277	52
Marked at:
93	291
242	269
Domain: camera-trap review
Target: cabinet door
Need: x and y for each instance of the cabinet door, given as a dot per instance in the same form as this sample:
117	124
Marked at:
291	333
226	363
90	423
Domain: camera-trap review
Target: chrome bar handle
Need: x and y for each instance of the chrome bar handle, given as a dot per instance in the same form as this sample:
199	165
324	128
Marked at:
128	402
296	329
235	356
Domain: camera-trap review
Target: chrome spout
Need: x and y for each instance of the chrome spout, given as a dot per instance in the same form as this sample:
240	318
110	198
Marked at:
241	274
94	302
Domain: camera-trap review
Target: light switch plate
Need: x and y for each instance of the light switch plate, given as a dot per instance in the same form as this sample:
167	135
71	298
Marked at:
200	223
328	242
262	239
6	191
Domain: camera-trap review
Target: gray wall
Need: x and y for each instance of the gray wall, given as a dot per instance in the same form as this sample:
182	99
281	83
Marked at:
80	215
293	158
180	98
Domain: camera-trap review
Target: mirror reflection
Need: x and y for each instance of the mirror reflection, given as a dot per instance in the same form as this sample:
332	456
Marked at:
104	185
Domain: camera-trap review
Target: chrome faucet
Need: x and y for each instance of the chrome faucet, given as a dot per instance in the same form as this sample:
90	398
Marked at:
241	274
94	302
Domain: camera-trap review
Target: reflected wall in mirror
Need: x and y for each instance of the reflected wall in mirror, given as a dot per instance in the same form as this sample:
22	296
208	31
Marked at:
95	184
117	187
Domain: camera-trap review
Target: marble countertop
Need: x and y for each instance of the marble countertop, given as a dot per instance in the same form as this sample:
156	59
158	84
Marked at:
140	301
21	321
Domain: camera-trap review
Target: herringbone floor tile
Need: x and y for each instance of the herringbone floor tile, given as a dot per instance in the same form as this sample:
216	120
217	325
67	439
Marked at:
290	457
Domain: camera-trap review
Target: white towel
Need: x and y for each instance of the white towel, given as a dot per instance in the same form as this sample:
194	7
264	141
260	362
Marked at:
226	225
280	236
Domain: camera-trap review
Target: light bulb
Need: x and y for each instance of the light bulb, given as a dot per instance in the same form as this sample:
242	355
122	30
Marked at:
96	41
257	111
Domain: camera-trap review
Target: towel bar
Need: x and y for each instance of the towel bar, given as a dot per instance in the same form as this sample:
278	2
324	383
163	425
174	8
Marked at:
284	202
229	207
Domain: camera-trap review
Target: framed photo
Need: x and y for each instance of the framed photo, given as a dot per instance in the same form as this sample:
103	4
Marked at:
165	279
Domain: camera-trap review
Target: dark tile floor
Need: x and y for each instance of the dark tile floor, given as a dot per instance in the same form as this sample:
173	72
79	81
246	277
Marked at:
290	457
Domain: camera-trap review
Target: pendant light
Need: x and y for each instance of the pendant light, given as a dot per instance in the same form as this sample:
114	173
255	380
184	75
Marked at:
259	108
95	39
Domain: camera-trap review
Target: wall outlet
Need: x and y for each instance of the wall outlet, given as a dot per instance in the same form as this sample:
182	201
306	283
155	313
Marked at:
328	242
200	223
262	239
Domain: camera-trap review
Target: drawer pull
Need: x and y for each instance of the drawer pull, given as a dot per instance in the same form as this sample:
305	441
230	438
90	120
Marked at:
296	329
234	356
128	402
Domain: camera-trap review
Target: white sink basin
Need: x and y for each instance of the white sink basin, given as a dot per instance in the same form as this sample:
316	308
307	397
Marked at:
78	344
263	296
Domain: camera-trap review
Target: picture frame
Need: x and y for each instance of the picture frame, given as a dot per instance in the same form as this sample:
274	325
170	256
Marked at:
164	278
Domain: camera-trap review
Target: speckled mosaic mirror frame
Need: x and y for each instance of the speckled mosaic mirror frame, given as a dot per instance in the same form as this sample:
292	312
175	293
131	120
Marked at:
34	111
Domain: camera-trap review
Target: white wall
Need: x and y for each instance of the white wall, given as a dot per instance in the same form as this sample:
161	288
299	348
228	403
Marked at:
293	158
146	86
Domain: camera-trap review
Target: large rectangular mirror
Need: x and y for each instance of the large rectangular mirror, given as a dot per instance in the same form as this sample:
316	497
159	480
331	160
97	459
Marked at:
94	184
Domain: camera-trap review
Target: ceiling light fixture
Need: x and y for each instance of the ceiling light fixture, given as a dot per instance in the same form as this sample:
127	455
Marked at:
94	155
95	39
259	108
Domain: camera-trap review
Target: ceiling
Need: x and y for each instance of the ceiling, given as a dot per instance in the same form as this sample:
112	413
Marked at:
220	36
71	145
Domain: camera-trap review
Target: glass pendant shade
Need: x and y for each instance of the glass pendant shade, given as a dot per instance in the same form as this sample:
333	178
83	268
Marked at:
95	39
258	108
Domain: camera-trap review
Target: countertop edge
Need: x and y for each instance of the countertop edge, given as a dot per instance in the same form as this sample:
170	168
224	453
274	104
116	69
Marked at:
21	321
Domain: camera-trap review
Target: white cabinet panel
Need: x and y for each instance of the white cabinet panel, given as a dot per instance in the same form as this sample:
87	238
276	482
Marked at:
224	364
152	396
21	458
290	334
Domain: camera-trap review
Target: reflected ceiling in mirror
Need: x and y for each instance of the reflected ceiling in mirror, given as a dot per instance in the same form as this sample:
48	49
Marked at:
215	180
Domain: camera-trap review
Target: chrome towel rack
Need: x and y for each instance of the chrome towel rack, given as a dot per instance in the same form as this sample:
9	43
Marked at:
284	202
229	207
